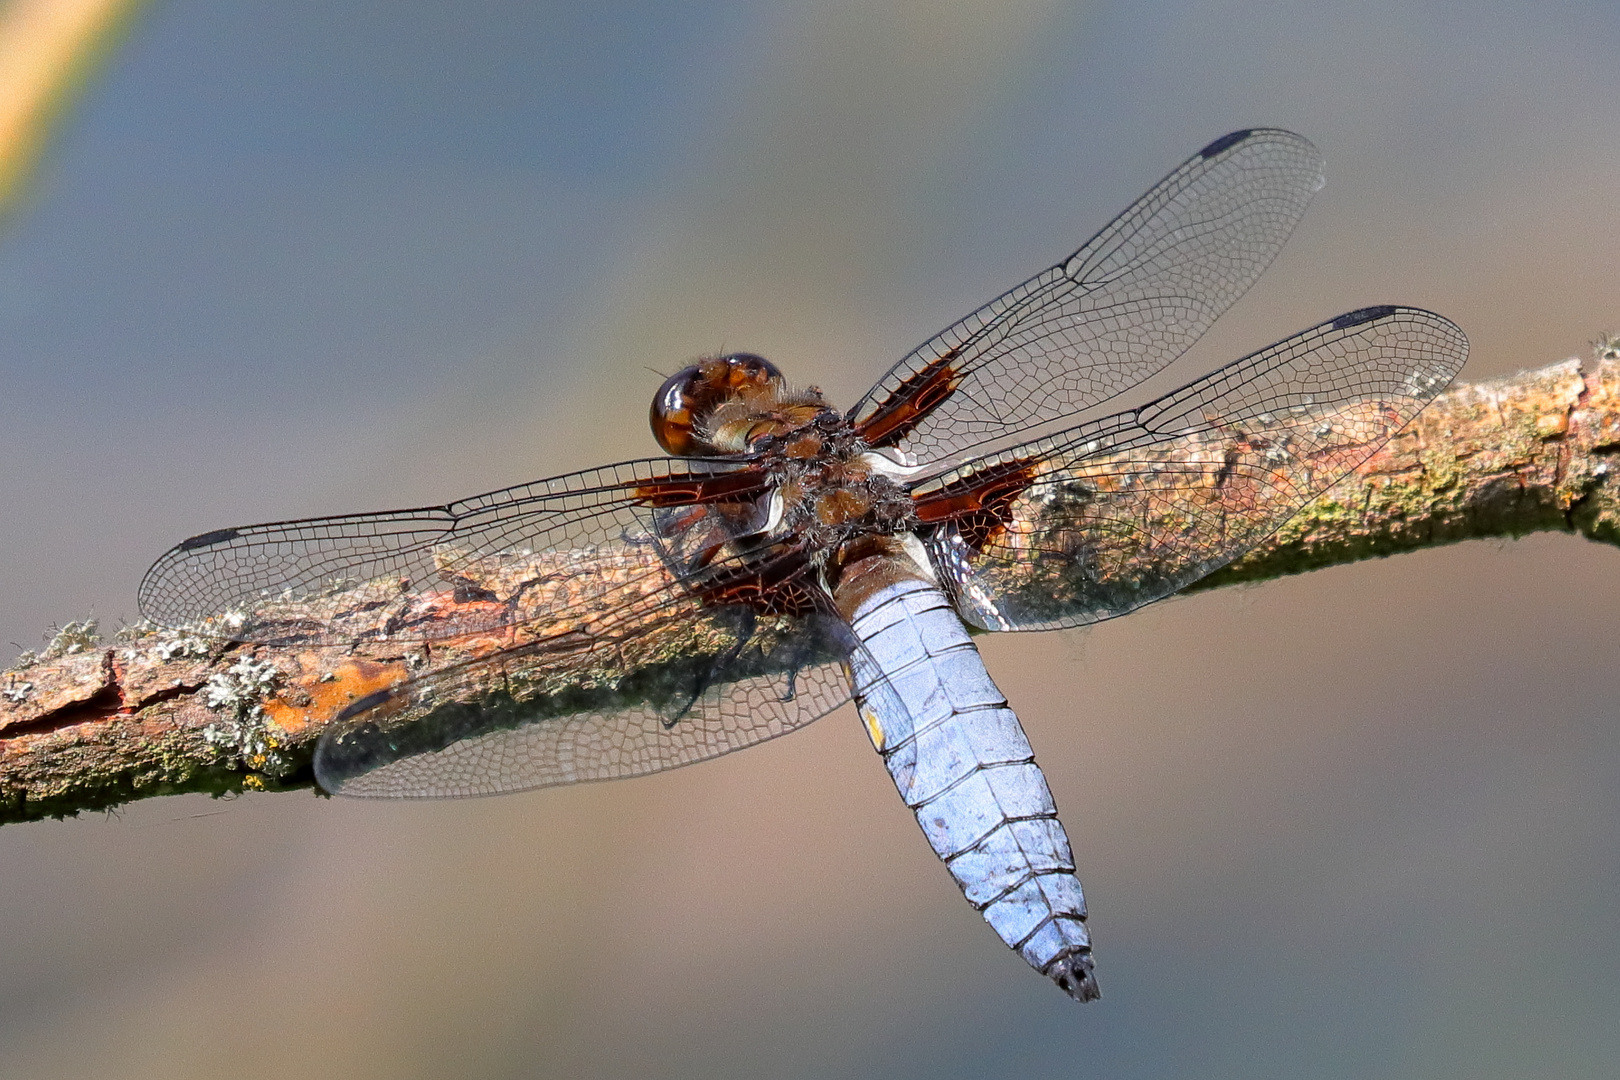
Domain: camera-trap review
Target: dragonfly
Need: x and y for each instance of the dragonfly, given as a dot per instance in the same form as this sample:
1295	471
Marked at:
787	557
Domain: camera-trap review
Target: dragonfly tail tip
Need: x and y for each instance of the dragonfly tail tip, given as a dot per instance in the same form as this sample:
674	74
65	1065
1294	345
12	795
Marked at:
1075	976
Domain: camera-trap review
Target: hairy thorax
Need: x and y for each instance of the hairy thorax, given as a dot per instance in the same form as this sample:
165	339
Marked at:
831	488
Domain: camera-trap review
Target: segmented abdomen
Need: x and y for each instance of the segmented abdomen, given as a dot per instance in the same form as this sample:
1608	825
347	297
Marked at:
961	762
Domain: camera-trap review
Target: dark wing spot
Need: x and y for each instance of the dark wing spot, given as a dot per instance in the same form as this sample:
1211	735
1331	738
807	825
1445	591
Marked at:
1362	315
1225	142
209	539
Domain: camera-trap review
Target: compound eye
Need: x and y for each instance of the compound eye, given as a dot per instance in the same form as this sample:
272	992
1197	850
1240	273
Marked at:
671	416
688	397
746	370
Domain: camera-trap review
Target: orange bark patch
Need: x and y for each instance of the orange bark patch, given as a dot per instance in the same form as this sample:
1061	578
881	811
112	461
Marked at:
330	691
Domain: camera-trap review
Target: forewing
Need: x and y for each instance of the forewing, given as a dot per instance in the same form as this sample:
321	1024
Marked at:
686	684
1130	301
508	558
1099	520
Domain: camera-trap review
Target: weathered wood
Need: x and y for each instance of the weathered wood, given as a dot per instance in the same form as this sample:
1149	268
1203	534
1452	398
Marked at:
88	725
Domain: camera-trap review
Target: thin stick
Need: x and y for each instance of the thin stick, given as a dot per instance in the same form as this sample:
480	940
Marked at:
88	726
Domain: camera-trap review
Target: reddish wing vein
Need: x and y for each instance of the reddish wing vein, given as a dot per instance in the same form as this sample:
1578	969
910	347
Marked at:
1130	509
1130	301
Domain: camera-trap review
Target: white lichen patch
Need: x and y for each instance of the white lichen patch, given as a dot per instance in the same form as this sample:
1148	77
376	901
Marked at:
71	639
139	630
164	642
16	692
179	643
238	694
241	685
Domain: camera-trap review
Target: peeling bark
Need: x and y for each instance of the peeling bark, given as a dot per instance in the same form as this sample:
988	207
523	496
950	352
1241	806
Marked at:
89	726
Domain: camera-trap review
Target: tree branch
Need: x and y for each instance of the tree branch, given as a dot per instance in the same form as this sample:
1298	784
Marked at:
86	726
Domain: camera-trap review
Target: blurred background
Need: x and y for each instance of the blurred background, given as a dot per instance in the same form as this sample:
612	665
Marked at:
293	258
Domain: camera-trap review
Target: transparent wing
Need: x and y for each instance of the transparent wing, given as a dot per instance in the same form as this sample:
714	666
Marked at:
442	571
687	684
1099	520
1130	301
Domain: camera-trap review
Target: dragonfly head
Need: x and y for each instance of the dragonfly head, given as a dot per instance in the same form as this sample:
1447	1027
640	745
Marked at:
724	405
